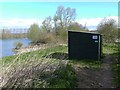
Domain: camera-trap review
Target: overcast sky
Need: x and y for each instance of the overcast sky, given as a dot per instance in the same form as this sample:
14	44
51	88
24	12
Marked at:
23	14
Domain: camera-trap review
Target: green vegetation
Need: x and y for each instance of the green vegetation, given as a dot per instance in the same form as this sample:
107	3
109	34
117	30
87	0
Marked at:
42	72
64	20
37	70
37	35
50	67
66	78
55	73
34	33
110	34
113	50
18	45
93	64
116	68
108	29
35	54
54	29
110	48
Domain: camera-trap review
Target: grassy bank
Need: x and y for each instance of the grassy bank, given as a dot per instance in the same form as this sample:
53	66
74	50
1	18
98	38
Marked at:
50	68
38	70
47	68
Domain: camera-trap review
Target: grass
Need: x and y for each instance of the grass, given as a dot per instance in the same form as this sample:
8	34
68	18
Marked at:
29	66
26	69
116	69
110	48
66	78
94	64
34	54
113	50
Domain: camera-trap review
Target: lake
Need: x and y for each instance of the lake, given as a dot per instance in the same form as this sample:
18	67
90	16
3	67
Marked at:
6	46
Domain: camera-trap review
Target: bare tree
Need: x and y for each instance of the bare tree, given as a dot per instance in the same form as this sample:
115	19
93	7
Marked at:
64	17
47	24
76	26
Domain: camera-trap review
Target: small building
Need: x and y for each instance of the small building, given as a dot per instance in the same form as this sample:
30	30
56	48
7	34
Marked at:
84	45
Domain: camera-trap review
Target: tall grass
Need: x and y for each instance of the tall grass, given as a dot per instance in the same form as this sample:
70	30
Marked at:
33	70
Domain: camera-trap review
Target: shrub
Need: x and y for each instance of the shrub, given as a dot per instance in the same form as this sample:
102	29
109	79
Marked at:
108	29
39	35
18	45
51	37
62	36
46	37
33	33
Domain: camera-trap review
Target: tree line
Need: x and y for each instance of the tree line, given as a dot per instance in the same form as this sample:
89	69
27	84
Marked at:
109	30
6	34
56	27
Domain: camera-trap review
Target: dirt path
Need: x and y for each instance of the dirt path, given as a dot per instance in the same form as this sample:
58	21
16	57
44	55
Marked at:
106	78
90	78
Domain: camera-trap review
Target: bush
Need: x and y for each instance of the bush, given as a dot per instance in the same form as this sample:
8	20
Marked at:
62	36
39	35
108	29
33	33
45	37
18	45
51	37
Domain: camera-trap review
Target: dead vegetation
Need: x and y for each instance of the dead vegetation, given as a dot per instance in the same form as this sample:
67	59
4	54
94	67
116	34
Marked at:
29	74
32	70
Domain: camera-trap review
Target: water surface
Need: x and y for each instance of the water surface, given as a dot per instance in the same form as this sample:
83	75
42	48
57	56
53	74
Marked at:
6	46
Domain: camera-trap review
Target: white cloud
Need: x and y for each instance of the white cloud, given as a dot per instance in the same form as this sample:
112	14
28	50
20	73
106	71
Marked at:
93	22
17	22
89	22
